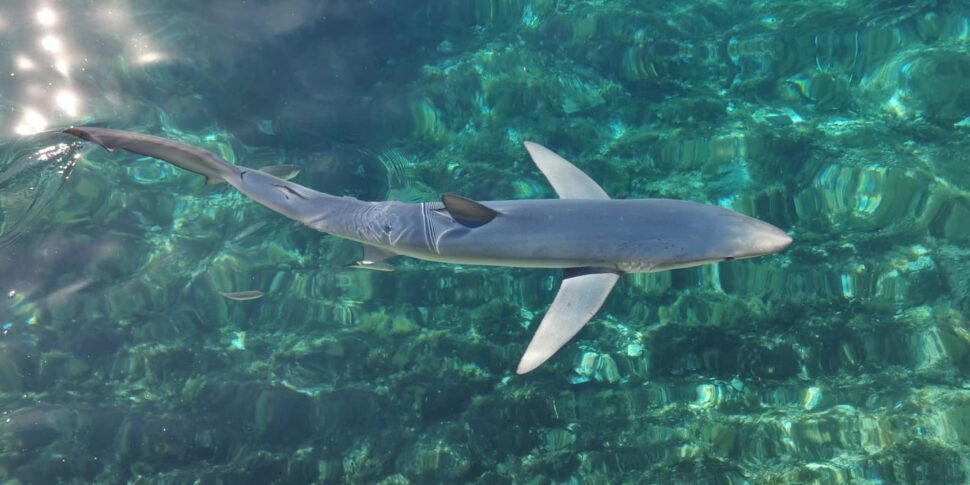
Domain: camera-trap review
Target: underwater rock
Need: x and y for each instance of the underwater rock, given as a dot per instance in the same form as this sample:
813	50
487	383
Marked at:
705	308
127	300
17	366
523	410
581	94
913	277
35	427
948	220
598	367
426	120
381	323
158	441
271	413
48	469
694	469
824	90
558	439
361	463
866	196
458	387
58	368
496	318
329	470
282	415
42	443
434	460
555	465
345	415
720	351
90	198
264	467
924	83
954	265
395	479
157	362
920	460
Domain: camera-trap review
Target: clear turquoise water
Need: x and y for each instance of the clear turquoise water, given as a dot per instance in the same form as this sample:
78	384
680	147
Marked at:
842	360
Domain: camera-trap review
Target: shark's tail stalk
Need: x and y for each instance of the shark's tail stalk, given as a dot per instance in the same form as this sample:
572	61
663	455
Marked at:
194	159
323	212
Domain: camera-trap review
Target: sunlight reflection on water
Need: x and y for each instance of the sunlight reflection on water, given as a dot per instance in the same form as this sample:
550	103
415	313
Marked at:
53	81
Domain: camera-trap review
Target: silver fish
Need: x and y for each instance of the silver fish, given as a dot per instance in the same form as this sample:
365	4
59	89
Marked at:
242	295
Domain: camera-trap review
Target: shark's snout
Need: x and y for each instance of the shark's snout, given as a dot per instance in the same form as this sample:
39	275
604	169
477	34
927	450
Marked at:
781	242
771	238
765	238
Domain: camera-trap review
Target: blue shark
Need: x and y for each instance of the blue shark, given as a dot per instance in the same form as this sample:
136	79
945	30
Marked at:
594	239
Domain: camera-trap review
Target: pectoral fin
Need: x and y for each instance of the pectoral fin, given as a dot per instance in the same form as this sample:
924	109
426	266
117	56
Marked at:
374	259
567	180
581	295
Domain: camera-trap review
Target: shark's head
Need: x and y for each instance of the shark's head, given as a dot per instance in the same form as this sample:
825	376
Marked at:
704	234
741	237
759	239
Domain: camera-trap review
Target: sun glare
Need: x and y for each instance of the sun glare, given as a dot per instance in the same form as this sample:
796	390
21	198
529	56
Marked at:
46	17
31	122
51	43
24	63
148	58
67	102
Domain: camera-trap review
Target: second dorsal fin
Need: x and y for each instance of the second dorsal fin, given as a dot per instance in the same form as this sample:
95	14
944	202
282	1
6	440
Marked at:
467	211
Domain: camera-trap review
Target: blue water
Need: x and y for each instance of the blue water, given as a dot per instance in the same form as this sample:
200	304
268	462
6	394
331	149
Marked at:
841	360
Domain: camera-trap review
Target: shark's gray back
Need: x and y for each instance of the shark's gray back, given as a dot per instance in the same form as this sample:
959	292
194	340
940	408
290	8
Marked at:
594	238
632	235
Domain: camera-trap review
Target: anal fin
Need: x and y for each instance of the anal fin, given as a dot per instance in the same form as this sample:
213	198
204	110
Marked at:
581	295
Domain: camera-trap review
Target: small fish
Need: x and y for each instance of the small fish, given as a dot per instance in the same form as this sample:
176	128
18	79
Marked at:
248	231
242	295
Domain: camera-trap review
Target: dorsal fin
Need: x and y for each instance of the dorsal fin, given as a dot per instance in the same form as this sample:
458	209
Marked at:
567	180
467	211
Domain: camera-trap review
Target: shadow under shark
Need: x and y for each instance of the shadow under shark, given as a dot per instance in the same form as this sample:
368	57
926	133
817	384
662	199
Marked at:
593	238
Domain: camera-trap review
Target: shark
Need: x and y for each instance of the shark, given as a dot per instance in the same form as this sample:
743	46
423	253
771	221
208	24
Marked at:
593	238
